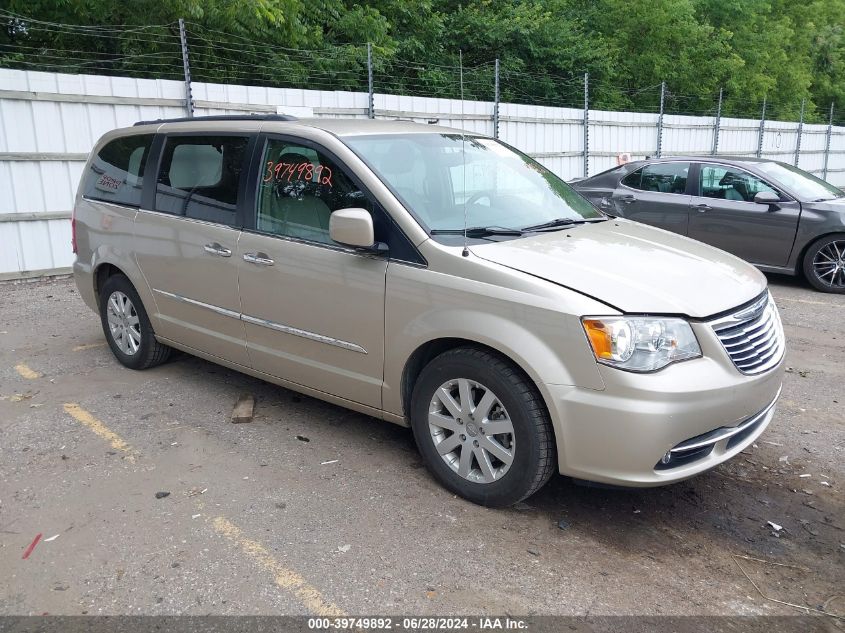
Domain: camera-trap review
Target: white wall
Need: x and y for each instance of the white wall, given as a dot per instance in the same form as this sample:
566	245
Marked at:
49	122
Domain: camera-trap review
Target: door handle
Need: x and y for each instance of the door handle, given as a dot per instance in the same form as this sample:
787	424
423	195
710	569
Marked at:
629	199
702	208
260	259
216	249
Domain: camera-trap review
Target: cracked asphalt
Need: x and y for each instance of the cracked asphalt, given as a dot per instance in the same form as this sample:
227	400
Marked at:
259	521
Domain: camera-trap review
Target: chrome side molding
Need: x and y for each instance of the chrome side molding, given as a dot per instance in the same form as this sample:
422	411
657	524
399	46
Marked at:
313	336
279	327
207	306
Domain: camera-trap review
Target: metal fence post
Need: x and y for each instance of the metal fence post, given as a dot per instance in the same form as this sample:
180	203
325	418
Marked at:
371	113
186	65
586	124
660	119
496	101
762	130
800	130
716	124
827	142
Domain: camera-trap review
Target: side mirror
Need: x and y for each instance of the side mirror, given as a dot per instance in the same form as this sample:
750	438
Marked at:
352	227
767	197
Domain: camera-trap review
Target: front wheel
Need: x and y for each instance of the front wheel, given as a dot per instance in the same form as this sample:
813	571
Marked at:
824	264
482	428
127	326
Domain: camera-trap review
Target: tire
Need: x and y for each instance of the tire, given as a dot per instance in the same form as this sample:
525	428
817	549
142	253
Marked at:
131	339
824	264
506	398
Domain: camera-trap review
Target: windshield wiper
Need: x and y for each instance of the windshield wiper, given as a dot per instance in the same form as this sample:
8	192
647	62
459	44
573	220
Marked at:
560	223
479	231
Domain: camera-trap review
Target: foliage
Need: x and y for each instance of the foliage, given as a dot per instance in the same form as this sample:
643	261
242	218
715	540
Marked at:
783	50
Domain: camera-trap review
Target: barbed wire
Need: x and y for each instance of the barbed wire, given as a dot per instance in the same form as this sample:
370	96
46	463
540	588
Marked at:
218	56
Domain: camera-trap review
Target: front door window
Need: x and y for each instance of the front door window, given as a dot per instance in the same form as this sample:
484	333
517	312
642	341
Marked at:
729	183
299	189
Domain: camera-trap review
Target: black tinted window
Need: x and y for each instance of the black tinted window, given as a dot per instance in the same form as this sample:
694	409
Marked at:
116	173
199	177
660	177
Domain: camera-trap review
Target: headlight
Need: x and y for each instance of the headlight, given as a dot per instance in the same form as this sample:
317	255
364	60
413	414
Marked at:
640	343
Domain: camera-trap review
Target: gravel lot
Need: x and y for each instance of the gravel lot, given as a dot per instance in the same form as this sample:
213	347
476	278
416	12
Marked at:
259	521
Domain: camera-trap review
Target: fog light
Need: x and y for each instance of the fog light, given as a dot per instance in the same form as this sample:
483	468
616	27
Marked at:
666	458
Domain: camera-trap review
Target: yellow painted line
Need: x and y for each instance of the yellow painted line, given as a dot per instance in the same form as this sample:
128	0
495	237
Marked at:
815	303
82	348
98	428
27	373
285	578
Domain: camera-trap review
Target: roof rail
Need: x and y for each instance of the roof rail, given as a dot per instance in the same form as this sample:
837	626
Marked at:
224	117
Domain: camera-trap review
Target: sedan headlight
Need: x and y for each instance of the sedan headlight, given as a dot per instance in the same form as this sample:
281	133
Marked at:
640	343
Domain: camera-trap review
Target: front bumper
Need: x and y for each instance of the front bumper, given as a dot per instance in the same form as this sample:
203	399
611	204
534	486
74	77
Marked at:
700	412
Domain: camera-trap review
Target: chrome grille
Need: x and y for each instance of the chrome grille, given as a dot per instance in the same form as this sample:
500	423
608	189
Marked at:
752	336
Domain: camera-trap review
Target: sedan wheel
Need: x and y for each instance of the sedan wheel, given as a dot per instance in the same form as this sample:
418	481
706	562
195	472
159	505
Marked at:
824	264
829	264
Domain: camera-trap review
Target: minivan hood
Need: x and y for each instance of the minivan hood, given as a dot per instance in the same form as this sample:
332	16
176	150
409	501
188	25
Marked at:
633	267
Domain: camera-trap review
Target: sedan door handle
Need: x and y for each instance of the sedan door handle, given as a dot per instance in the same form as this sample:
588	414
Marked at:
703	207
629	199
216	249
260	259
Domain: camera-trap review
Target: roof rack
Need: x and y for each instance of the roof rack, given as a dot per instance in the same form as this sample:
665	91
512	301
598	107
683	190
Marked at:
224	117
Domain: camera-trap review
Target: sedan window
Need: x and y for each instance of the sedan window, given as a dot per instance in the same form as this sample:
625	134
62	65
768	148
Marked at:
805	185
729	183
660	177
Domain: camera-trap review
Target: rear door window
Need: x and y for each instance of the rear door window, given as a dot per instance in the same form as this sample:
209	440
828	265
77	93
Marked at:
660	178
116	173
199	177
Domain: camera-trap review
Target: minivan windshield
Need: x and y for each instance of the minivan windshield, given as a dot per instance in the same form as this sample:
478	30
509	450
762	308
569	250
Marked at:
442	176
806	186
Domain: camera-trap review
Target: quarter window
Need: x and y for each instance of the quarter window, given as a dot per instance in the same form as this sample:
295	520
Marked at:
729	183
299	189
660	177
116	173
200	175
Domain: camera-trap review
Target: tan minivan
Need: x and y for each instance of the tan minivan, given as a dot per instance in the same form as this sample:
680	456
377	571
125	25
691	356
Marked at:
435	279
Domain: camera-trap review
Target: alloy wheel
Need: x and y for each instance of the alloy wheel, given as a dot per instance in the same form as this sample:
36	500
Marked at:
124	324
471	430
829	264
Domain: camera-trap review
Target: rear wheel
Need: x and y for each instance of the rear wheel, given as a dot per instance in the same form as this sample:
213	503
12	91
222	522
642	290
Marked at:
482	428
824	264
127	326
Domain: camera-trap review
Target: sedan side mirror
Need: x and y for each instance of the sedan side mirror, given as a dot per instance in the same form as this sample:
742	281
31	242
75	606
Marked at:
354	227
767	197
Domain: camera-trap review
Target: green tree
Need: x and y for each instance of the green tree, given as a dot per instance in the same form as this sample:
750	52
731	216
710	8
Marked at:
773	61
781	50
544	47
